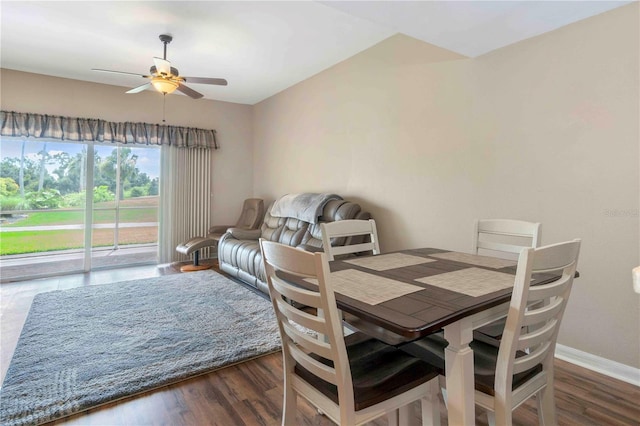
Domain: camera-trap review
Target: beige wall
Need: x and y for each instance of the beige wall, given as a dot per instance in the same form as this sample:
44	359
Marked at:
25	92
543	130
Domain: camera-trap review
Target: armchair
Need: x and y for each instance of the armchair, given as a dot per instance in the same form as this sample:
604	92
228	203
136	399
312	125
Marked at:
250	218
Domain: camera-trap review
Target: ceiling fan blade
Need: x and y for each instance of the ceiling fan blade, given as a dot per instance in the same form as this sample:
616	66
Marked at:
120	72
189	92
204	80
162	66
140	88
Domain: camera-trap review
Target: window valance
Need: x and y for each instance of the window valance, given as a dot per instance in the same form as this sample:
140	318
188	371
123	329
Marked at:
21	124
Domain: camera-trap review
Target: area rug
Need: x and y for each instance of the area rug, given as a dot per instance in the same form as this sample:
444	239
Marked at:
86	346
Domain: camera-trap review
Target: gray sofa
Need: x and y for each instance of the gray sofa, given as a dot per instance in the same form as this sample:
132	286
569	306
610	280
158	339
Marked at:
295	225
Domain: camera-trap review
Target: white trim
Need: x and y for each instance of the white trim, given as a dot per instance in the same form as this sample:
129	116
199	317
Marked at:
598	364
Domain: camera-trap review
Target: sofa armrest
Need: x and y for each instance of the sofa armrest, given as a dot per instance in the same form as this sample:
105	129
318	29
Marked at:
245	234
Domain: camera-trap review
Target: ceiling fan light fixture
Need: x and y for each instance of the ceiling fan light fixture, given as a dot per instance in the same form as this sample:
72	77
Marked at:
166	79
164	85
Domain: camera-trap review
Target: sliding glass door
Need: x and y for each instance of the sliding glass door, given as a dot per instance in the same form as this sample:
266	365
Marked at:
45	207
125	206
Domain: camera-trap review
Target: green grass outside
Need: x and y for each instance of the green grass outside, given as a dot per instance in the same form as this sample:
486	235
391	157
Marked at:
20	242
146	211
62	217
44	241
39	241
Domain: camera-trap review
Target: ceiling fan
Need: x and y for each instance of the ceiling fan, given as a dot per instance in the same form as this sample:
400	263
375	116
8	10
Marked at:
166	79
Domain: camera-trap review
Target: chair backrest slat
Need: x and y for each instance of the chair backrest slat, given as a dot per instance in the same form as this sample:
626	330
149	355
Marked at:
289	291
354	248
501	247
535	357
546	291
310	343
301	317
533	338
362	229
555	260
323	371
542	314
504	237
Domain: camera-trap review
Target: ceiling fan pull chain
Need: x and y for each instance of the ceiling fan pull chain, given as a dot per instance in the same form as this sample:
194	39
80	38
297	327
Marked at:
164	108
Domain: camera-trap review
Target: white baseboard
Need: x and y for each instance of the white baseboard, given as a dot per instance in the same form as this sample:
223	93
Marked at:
598	364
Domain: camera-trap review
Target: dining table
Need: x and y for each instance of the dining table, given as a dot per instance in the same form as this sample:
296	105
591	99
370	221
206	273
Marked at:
412	293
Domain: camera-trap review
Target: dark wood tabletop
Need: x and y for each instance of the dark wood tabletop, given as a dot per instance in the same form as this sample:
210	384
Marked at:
425	311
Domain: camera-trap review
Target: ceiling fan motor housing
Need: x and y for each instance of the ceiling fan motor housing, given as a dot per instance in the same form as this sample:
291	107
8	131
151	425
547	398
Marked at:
154	71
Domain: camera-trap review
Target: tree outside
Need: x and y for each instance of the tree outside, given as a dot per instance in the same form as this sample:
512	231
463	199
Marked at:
58	180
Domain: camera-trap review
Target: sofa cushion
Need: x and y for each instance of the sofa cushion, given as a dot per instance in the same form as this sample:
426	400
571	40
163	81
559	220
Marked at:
272	226
244	255
292	232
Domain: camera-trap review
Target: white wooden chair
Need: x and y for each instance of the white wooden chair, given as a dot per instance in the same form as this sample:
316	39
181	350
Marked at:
522	366
347	231
503	238
352	380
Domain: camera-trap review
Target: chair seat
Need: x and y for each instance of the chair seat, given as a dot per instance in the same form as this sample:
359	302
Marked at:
378	372
485	357
491	333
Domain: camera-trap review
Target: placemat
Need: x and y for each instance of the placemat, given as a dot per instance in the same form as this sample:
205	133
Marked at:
474	259
471	281
383	262
368	288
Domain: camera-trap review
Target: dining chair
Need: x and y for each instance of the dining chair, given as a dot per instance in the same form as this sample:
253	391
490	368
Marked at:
503	238
353	379
522	366
361	236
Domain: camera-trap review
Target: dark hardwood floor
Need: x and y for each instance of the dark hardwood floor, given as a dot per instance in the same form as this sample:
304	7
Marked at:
250	393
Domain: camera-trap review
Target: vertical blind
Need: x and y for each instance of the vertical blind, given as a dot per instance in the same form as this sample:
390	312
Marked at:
185	206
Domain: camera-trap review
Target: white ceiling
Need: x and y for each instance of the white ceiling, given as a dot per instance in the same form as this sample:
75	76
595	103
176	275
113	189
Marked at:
260	47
